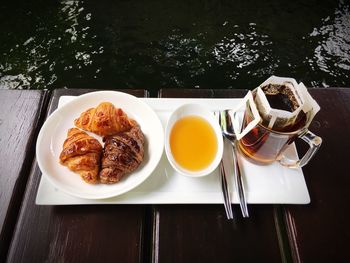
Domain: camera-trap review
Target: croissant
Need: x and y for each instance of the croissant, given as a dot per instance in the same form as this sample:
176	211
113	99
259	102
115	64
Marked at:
104	120
82	154
122	154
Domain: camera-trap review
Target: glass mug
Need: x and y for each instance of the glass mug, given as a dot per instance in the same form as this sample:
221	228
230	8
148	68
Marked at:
262	145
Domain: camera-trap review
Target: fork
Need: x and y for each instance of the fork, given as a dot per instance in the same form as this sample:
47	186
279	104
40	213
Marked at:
227	131
224	186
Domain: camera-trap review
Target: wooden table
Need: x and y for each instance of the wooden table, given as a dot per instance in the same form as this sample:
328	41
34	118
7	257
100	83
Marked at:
171	233
21	113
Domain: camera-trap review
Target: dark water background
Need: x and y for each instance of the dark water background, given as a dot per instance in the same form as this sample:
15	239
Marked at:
157	44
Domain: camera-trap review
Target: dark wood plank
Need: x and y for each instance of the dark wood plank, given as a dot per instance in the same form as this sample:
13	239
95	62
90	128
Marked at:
201	233
76	233
319	231
19	115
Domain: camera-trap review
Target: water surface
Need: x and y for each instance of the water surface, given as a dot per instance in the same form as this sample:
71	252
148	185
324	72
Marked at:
157	44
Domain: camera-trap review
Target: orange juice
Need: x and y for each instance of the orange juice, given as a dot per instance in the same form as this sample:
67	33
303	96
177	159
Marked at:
193	143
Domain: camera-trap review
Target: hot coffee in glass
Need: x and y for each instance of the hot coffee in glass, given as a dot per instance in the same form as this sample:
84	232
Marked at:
275	132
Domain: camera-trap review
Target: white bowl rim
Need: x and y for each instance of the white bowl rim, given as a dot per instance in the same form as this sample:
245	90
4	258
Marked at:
193	109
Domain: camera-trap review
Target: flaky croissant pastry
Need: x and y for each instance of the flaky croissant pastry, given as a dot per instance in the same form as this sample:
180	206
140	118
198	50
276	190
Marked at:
104	120
122	154
82	153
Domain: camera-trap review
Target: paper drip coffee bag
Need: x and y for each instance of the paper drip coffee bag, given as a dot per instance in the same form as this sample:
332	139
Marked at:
284	105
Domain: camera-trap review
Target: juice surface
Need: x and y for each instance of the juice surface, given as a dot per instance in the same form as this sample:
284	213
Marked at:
193	143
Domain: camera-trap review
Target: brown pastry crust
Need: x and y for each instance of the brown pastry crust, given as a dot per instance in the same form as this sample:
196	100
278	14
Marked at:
104	120
82	153
122	154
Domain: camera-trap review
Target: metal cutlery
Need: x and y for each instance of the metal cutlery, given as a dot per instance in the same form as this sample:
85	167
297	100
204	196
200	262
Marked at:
228	132
225	191
224	186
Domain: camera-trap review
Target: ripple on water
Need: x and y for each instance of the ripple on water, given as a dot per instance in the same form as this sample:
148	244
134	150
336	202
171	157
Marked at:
235	53
244	49
188	44
60	42
332	52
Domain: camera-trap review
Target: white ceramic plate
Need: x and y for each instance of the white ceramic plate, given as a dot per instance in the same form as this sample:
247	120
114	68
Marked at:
268	184
54	132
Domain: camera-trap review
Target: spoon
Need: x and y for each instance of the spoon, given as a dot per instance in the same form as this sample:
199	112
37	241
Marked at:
226	123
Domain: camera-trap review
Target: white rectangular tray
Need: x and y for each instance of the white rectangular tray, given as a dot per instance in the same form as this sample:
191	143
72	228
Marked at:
264	184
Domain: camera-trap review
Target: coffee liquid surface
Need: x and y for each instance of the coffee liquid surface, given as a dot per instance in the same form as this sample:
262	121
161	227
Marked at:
280	97
280	101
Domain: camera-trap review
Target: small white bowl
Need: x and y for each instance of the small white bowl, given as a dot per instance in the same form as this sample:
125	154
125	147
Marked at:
200	111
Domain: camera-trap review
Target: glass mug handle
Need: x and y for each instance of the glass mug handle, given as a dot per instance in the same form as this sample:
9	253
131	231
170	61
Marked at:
314	143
